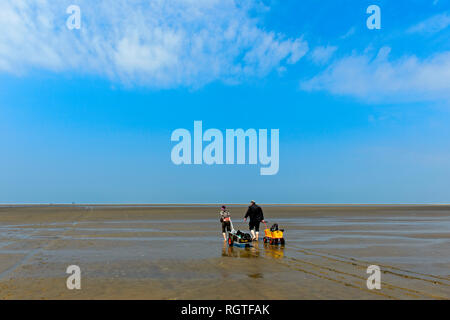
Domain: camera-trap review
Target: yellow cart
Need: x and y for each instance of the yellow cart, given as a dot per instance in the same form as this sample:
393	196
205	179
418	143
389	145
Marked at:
273	235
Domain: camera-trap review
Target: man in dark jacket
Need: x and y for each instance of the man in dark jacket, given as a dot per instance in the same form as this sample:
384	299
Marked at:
256	216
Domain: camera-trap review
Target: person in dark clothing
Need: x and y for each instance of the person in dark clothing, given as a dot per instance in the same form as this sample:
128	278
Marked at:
255	213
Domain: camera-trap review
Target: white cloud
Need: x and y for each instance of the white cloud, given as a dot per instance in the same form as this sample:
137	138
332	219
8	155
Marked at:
432	25
154	43
321	55
407	79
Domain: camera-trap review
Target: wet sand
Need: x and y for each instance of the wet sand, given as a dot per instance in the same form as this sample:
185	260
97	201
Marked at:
162	252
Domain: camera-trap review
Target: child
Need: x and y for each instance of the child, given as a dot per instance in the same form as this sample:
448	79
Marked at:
225	220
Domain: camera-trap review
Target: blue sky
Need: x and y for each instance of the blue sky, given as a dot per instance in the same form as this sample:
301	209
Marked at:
86	115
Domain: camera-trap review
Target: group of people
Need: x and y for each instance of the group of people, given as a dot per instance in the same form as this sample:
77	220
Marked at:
254	214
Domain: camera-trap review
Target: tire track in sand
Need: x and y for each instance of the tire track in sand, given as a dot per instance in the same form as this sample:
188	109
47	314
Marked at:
348	278
445	281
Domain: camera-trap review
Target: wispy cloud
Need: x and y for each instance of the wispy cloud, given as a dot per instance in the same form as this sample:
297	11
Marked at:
153	43
378	79
432	25
321	55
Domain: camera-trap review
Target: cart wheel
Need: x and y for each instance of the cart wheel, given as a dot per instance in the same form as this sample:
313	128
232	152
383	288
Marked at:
282	241
271	241
230	241
264	239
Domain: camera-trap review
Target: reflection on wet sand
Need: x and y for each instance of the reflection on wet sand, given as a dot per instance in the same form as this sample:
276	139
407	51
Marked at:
274	251
238	252
271	251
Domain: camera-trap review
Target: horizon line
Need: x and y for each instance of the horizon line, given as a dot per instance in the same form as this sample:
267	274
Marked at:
213	204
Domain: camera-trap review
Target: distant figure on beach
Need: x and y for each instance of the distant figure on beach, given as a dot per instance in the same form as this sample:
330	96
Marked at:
256	216
225	217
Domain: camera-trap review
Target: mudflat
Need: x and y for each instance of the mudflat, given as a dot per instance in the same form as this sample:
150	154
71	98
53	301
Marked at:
177	252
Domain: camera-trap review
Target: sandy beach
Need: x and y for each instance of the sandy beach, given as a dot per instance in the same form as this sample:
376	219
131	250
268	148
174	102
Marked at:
163	252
